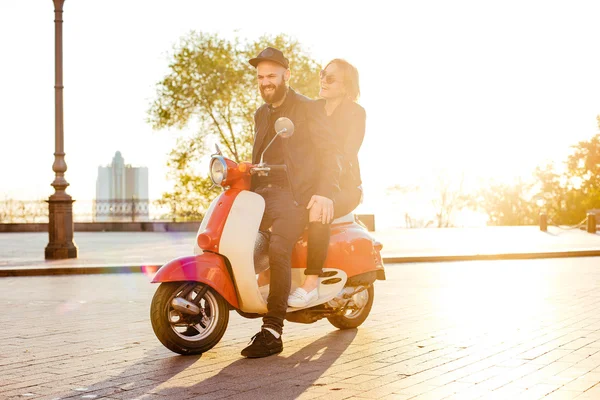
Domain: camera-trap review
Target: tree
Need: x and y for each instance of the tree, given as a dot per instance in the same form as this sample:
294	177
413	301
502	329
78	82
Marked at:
583	179
408	200
8	210
450	197
507	204
554	196
210	82
566	197
191	192
12	211
446	195
584	164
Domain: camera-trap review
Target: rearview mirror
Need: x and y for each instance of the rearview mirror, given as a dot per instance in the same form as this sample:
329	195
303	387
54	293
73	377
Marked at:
284	127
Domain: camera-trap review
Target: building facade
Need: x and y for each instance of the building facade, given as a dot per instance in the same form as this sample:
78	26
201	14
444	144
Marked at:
121	192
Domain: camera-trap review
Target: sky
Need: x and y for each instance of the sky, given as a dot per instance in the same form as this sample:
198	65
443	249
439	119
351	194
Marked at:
481	89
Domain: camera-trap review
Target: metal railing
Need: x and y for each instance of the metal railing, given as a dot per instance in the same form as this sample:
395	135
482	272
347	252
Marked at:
122	209
114	210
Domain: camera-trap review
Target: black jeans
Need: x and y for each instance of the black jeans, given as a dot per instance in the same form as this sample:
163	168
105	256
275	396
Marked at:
319	233
286	221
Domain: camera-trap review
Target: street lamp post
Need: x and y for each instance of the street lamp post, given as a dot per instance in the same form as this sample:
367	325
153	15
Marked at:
60	204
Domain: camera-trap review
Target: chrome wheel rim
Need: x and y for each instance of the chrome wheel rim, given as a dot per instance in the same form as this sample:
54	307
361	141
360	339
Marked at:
209	315
357	304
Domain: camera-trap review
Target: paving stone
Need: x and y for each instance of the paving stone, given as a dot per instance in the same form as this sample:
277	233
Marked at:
464	330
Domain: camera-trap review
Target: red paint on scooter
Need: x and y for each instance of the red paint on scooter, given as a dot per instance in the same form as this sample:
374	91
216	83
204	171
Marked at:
238	175
351	249
238	179
210	238
207	268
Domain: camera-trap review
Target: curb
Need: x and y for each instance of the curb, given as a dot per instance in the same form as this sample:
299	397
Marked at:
79	270
489	257
40	270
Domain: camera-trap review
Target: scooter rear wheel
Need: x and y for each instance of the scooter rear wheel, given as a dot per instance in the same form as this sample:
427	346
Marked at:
357	312
184	333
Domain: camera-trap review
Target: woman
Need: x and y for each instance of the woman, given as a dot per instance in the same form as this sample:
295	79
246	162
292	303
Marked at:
339	93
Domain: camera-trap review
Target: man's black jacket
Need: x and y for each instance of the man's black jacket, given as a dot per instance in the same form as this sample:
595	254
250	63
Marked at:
311	154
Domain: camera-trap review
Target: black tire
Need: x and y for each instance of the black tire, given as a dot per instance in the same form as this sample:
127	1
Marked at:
356	317
184	338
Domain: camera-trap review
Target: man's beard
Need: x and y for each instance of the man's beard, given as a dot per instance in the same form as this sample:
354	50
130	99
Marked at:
275	95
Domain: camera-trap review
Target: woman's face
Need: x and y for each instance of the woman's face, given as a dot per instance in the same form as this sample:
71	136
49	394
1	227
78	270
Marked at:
332	82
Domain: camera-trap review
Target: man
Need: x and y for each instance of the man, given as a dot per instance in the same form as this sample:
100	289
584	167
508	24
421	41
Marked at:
313	166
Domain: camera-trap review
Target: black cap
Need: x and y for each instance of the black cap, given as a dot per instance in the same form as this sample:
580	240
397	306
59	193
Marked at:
270	54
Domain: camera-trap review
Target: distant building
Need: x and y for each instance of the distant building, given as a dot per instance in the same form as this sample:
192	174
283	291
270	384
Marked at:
121	192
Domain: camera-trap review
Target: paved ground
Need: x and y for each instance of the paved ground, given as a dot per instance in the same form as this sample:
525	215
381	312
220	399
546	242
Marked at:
461	330
109	249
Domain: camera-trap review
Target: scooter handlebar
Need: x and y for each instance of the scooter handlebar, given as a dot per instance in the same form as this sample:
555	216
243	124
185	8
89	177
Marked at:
278	167
267	168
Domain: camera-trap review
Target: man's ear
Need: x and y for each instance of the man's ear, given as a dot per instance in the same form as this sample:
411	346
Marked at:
286	75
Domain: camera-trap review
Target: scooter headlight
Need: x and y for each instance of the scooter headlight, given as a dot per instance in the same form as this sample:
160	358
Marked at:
218	170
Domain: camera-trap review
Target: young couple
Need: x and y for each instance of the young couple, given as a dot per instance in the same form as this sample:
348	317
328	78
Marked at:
324	177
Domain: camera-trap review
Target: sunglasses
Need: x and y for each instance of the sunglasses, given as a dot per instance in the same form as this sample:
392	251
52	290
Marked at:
329	79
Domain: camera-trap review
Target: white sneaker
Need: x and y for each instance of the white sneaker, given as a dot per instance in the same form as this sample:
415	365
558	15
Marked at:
301	298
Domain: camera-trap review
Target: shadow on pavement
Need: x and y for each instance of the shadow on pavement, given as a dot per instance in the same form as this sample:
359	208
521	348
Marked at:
275	377
137	379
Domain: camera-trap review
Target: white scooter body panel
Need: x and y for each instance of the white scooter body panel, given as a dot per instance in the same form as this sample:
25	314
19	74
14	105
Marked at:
237	244
327	291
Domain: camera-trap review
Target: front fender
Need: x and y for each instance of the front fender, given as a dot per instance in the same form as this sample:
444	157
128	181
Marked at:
208	268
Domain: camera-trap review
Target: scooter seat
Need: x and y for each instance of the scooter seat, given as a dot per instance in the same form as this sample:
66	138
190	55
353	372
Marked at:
345	219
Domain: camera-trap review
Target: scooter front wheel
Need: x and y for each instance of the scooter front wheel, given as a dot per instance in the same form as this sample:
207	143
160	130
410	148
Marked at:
188	317
356	312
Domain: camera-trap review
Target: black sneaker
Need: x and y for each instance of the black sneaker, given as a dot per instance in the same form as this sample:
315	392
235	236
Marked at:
263	344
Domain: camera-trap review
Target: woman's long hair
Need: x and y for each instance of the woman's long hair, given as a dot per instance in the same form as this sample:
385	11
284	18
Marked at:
350	77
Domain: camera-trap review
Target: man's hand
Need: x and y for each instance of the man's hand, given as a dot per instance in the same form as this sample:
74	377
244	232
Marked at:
321	209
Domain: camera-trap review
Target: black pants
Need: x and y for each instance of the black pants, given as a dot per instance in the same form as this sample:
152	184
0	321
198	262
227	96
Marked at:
286	221
319	233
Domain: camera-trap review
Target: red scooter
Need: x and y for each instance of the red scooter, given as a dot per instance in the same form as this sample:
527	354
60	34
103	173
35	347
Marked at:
229	268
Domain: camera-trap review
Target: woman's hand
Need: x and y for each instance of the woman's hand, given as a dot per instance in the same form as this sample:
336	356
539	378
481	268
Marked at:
321	209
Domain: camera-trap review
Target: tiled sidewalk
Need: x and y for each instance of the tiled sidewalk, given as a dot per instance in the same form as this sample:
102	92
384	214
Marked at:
462	330
121	249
